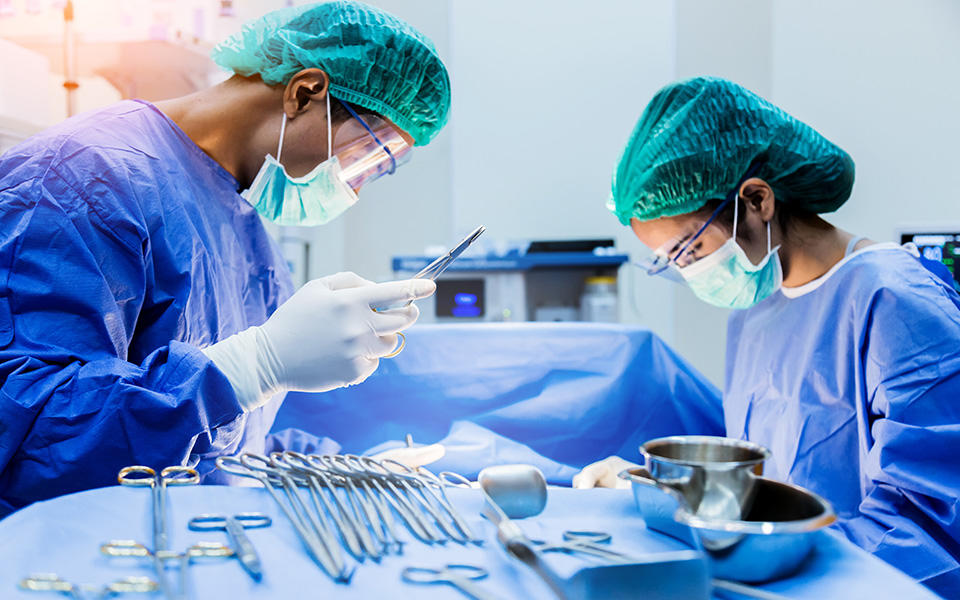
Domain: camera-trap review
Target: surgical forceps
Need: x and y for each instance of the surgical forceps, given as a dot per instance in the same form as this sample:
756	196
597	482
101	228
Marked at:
462	577
585	542
323	551
438	266
239	542
50	582
130	548
417	481
139	475
355	536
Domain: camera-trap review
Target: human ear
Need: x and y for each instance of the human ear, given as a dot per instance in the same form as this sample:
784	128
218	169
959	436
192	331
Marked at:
758	197
305	86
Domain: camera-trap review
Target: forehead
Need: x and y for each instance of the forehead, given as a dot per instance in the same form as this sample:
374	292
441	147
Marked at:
658	232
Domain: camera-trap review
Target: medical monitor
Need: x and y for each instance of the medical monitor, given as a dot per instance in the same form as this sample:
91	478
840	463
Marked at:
942	246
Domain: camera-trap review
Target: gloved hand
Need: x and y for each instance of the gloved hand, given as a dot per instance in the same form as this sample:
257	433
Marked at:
326	336
603	473
413	457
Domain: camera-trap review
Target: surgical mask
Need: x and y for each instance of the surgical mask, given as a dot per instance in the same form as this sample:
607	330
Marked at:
317	198
726	277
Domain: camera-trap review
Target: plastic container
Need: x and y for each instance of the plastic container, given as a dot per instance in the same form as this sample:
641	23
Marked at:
599	303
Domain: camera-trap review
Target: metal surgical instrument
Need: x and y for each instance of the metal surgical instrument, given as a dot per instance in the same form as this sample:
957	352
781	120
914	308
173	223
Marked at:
130	548
462	577
586	542
239	542
438	266
50	582
138	475
329	561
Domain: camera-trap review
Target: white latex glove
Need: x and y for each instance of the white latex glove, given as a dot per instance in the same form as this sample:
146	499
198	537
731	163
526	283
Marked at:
414	457
603	473
326	336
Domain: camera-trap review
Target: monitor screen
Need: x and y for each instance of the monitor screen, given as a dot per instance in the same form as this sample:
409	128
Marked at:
460	298
942	247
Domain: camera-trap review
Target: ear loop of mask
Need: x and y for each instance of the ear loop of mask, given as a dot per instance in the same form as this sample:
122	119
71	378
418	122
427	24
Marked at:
736	213
283	128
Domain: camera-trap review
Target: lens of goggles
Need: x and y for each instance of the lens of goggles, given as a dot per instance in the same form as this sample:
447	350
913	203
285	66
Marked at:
681	251
366	156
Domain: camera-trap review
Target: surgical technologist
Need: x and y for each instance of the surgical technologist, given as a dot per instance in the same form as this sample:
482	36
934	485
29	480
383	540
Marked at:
146	317
843	356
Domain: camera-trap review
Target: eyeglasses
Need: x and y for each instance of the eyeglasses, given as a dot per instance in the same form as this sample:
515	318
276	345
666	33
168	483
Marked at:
371	151
680	251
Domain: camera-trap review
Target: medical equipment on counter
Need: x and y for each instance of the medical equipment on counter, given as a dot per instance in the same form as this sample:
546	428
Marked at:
461	577
512	285
599	303
130	548
50	582
234	525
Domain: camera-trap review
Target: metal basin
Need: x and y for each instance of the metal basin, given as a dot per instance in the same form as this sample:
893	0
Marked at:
772	541
715	475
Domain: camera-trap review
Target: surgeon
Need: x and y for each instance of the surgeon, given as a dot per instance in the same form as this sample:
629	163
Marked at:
146	316
843	354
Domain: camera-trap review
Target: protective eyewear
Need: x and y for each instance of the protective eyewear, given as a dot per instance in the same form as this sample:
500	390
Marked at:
681	251
368	148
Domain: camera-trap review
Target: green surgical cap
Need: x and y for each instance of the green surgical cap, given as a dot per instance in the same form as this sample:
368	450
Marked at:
697	139
373	59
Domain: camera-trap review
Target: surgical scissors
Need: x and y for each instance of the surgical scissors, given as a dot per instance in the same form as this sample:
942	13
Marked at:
50	582
141	476
585	542
462	577
130	548
239	542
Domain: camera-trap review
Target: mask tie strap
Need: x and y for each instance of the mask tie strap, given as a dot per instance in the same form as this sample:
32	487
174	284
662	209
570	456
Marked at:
329	130
736	213
283	127
769	241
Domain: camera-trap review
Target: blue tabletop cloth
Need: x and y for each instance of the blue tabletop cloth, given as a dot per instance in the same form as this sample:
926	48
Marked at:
63	536
556	395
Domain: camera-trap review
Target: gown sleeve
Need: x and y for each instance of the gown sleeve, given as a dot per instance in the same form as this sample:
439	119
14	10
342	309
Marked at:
910	513
74	270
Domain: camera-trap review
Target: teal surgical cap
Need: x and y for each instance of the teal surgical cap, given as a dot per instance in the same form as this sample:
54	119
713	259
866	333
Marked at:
373	59
697	139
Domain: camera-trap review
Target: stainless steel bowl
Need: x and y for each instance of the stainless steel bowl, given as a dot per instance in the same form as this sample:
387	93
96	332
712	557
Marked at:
714	474
772	541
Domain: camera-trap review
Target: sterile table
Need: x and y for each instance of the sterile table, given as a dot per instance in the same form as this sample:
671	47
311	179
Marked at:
63	536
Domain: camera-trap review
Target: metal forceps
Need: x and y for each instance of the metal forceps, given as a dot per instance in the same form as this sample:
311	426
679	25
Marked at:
239	542
462	577
139	475
130	548
50	582
324	552
586	542
434	269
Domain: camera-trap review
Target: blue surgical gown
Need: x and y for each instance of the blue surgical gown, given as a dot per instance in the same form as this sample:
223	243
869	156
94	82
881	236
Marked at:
855	386
123	249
